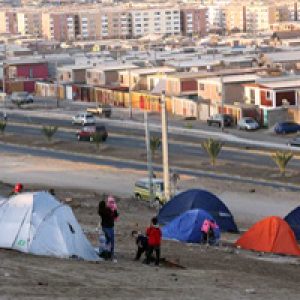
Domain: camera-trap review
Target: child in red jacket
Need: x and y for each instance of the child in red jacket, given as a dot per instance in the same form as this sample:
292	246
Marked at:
154	240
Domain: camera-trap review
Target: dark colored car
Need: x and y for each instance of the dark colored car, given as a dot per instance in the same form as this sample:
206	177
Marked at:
86	133
217	120
286	127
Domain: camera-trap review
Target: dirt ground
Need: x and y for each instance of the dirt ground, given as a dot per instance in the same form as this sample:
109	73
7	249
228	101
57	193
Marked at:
205	273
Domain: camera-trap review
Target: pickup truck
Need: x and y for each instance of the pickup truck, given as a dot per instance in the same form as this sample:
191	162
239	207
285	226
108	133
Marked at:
100	110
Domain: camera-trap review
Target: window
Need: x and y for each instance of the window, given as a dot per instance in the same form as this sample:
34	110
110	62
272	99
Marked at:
268	95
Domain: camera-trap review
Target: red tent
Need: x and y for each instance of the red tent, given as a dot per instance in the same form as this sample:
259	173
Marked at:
271	234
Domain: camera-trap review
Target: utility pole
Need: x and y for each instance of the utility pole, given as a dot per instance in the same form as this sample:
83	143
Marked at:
4	74
57	83
165	149
149	157
130	95
222	103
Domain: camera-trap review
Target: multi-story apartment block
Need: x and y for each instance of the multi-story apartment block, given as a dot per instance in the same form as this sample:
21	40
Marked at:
259	16
215	17
60	26
89	26
115	23
235	16
8	21
155	20
29	22
193	20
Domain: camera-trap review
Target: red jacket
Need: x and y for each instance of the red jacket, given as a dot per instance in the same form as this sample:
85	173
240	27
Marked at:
154	236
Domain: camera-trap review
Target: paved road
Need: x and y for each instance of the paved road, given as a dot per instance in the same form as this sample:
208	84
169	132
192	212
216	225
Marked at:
131	142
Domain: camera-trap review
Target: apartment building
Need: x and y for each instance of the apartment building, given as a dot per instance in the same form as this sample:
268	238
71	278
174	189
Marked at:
235	18
8	21
259	16
155	20
115	23
193	20
215	17
60	26
29	22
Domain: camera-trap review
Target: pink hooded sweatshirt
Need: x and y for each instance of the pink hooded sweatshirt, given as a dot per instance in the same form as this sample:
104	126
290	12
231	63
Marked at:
207	224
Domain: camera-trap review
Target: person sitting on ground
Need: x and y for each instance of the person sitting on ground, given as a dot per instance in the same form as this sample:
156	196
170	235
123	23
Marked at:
142	243
154	240
17	189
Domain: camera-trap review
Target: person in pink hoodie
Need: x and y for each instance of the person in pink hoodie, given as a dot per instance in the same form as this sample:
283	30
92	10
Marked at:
111	203
207	230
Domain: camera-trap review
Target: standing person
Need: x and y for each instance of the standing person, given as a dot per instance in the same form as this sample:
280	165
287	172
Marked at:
141	242
107	223
154	240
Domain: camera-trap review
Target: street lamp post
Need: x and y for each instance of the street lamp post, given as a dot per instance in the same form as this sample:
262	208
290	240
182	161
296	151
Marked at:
149	156
165	148
129	93
57	84
222	103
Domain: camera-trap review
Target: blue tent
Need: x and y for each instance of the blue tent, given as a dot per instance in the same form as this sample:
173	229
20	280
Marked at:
293	219
198	199
187	227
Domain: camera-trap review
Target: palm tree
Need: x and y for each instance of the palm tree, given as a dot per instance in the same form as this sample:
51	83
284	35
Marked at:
154	145
281	158
97	138
49	132
213	148
2	126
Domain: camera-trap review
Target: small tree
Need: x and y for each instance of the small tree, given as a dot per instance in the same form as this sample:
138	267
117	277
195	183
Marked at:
2	126
49	132
97	138
155	144
213	149
281	158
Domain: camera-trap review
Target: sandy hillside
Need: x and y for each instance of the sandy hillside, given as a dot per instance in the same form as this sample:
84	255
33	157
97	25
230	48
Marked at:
206	273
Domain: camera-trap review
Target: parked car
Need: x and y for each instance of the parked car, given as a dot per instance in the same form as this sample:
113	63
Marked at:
247	123
21	98
217	120
84	119
286	127
100	110
142	190
295	142
86	133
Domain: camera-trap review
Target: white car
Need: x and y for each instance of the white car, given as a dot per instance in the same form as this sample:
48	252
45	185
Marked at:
247	123
84	119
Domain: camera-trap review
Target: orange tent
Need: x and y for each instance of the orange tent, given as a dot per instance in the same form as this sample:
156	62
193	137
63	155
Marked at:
271	234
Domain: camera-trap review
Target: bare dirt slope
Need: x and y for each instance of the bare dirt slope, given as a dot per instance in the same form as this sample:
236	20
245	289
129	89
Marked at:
207	273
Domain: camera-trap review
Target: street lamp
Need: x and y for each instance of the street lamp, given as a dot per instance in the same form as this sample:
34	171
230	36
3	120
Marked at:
165	146
129	93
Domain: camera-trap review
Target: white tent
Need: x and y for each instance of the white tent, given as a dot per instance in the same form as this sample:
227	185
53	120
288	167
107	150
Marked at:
37	223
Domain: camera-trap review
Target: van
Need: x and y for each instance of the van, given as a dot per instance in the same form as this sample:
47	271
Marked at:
142	190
